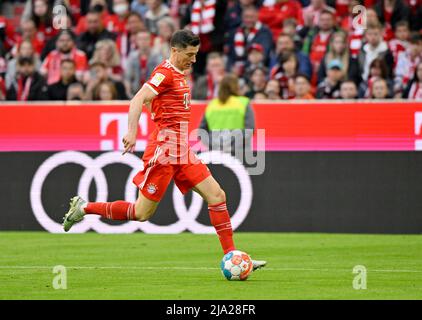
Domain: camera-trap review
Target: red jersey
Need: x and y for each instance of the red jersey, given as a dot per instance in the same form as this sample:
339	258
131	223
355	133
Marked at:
170	109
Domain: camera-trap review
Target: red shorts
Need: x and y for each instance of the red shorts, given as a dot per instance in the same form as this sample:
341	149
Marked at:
158	172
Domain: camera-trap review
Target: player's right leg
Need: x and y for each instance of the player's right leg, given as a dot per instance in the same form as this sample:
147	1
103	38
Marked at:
142	210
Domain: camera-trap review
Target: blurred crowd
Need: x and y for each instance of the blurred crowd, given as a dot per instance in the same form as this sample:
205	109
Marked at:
279	49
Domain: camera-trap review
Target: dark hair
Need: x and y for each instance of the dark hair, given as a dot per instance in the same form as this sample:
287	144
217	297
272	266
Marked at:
381	64
67	61
401	23
25	60
303	76
184	38
68	32
284	57
47	19
135	14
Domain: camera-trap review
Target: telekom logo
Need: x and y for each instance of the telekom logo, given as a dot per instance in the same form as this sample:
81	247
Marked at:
418	128
106	119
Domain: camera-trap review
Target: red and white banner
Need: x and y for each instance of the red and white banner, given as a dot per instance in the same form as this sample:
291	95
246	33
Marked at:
288	126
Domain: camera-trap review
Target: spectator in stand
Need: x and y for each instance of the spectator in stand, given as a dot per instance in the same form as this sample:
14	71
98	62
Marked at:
302	88
256	82
390	12
106	52
274	13
284	45
75	92
272	90
406	64
156	11
317	40
141	62
285	73
7	33
25	49
58	90
28	32
380	89
206	86
42	14
378	69
65	49
140	7
233	16
105	91
28	84
121	9
50	45
161	44
414	87
95	32
415	12
312	13
355	32
400	42
348	90
290	29
251	31
329	88
339	50
126	42
99	73
109	21
206	19
375	47
255	58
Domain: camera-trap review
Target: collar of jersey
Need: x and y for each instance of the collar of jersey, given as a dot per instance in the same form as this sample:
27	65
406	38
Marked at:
178	70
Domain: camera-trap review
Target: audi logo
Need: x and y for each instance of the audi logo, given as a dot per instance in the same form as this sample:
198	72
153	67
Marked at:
187	216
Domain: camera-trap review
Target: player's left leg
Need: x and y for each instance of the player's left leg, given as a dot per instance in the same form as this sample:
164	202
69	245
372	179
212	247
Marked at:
215	196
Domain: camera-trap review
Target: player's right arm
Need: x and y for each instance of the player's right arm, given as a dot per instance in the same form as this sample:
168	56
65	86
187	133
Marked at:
144	96
161	79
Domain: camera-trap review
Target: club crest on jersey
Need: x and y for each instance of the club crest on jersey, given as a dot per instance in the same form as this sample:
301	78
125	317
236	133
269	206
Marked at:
157	79
151	188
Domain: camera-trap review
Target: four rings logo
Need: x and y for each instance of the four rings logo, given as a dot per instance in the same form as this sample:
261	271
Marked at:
93	172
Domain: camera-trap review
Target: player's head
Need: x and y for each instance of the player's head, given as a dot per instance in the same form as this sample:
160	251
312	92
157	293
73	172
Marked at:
184	47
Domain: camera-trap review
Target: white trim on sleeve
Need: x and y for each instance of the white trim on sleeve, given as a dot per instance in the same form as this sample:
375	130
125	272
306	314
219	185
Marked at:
151	88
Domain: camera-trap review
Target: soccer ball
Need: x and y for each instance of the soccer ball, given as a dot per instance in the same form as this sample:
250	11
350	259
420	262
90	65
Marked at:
236	265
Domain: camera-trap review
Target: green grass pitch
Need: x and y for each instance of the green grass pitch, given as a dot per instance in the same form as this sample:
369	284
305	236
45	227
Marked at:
186	266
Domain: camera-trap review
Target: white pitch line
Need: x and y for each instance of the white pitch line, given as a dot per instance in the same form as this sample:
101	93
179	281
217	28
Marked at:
205	268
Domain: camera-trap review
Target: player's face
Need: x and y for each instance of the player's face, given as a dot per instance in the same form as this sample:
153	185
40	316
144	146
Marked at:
185	58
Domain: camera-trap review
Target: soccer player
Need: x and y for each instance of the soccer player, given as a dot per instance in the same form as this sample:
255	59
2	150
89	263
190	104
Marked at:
167	156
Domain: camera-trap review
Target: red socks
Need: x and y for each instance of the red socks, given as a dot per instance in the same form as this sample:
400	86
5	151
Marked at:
117	210
220	219
122	210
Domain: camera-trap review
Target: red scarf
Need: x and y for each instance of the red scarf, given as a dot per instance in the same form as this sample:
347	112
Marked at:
210	87
143	62
2	88
415	92
241	40
202	17
23	88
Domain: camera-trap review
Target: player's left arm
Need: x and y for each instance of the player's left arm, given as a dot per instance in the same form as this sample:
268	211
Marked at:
144	96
